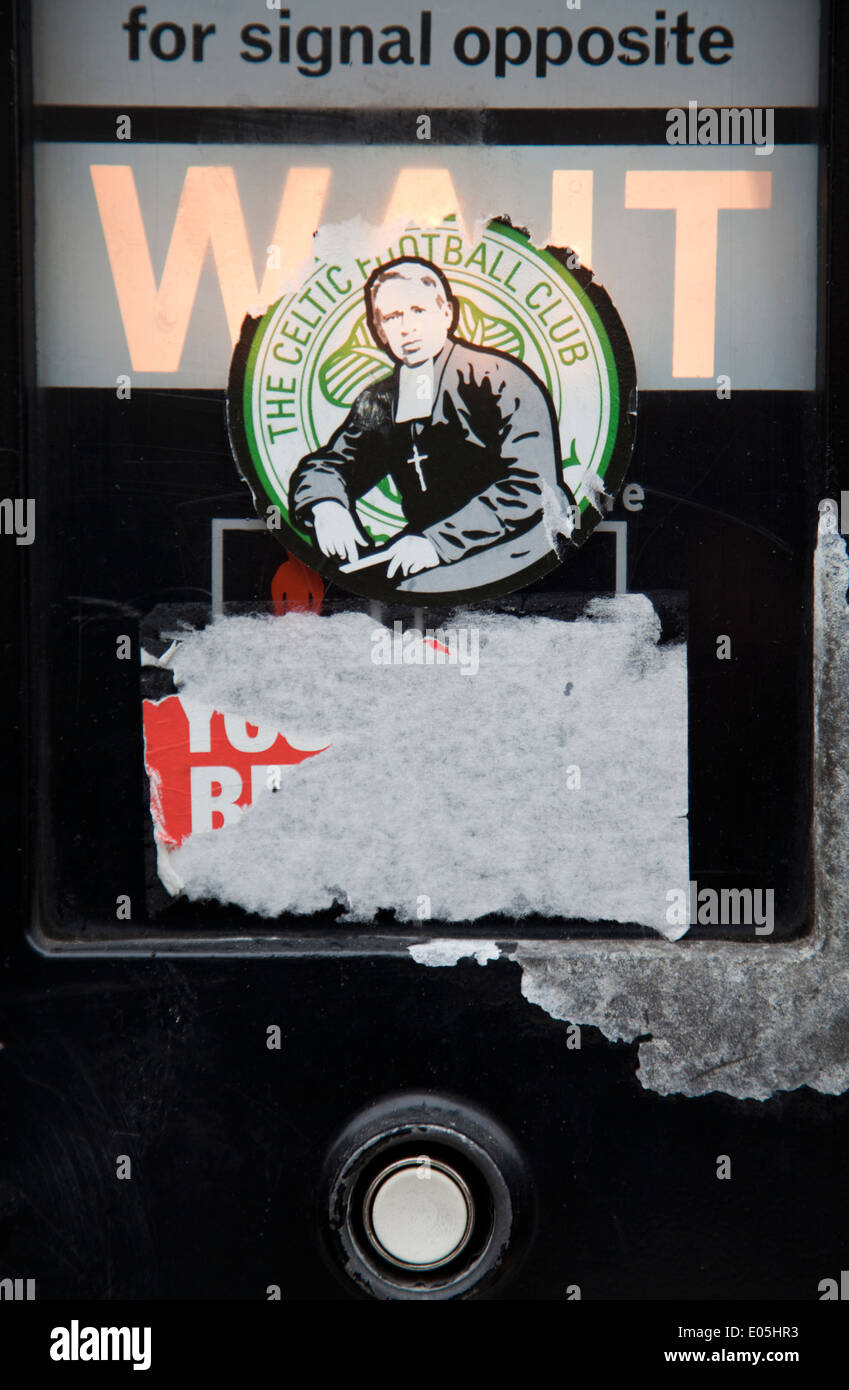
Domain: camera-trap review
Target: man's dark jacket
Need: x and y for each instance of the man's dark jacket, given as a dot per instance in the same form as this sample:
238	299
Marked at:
484	453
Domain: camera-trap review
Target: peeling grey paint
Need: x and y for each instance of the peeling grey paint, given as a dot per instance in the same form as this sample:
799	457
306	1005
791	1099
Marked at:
747	1020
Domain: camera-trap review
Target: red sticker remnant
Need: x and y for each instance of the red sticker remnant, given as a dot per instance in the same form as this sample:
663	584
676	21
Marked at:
296	588
205	767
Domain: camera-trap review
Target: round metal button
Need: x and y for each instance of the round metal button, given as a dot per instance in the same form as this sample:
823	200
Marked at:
418	1213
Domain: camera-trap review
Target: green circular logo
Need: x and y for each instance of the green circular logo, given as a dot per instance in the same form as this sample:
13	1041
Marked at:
436	418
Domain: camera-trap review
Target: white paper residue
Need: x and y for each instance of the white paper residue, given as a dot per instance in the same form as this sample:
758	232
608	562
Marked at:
447	952
550	782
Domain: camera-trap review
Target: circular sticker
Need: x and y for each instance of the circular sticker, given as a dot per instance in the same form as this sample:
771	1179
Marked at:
436	420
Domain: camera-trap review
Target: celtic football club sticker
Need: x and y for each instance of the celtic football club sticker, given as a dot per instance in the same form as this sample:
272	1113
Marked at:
436	419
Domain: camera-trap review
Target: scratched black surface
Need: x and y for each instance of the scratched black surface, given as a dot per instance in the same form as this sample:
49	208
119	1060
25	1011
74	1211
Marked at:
168	1064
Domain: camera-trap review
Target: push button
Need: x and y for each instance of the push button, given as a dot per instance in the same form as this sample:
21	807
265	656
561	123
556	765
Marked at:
424	1196
418	1213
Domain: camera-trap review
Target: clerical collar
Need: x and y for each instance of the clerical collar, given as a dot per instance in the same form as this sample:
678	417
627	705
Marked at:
416	388
415	392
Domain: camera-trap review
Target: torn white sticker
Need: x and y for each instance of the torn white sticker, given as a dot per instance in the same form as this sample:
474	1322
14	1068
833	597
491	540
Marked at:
538	769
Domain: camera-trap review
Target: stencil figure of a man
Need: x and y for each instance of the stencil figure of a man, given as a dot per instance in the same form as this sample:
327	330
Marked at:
468	435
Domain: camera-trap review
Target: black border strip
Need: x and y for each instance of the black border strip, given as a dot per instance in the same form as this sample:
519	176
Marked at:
220	125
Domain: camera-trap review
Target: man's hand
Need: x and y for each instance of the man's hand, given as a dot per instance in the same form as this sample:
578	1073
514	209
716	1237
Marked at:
411	554
336	532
